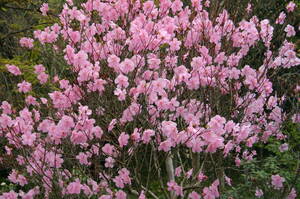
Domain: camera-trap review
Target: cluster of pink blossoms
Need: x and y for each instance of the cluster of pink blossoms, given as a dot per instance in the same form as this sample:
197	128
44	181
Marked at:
167	78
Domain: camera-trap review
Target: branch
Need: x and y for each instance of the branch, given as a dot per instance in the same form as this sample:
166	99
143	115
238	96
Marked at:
23	30
170	171
150	192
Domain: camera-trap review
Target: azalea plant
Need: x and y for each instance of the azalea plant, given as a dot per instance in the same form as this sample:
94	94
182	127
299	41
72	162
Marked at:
158	101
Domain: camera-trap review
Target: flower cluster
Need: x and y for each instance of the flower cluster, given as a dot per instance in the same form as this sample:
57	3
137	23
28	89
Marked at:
172	84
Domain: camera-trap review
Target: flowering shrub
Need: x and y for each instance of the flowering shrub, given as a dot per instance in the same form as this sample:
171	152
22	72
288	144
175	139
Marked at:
155	90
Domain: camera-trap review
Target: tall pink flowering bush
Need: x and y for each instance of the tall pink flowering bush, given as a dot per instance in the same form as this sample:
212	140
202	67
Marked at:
157	93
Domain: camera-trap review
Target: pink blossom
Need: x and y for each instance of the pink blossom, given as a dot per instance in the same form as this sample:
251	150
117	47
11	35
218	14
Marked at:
26	42
165	145
291	6
9	195
290	31
121	195
201	177
24	87
112	124
122	81
194	195
122	179
277	181
281	18
28	138
178	171
296	118
173	186
74	187
30	194
109	162
39	69
283	147
135	136
292	194
44	9
83	158
43	77
6	107
212	191
123	139
78	137
259	193
54	159
249	8
127	66
228	180
147	135
142	195
108	149
5	121
13	69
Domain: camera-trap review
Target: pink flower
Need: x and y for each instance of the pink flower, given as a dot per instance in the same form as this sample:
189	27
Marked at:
121	195
108	149
212	191
194	195
291	6
228	180
147	135
123	178
109	162
284	147
113	62
259	193
39	69
13	69
296	118
176	6
26	42
30	194
123	139
66	123
127	66
6	107
54	159
28	138
136	136
173	186
13	176
43	77
5	121
178	171
122	81
83	158
292	194
142	195
281	18
24	87
189	173
277	181
249	8
112	124
120	93
44	9
290	31
201	177
165	145
78	137
9	195
74	187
